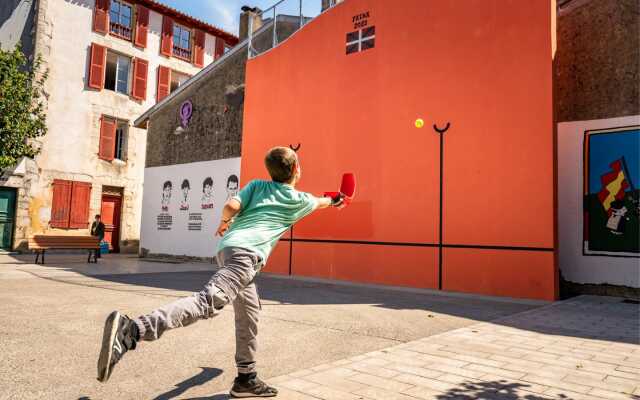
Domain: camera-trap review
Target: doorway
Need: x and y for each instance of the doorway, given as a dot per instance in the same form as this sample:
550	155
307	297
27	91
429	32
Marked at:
110	211
7	217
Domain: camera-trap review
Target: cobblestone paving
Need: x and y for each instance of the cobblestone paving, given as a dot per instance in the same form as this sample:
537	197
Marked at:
583	348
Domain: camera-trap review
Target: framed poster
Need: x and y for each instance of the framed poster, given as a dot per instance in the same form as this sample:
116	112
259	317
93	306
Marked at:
611	195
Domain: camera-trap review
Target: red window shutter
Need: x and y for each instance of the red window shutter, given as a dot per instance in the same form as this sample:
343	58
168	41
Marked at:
97	66
80	199
164	82
198	49
166	47
107	138
60	204
142	26
101	16
219	51
140	70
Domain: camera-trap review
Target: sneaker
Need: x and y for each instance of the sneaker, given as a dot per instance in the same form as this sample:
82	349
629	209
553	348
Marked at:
252	388
120	336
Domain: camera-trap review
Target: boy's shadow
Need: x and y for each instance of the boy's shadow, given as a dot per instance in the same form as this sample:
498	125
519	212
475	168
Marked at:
203	377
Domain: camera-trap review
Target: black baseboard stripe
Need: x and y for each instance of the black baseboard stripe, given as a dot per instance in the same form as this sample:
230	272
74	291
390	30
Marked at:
408	244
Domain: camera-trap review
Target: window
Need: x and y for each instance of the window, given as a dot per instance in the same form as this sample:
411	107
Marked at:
120	19
121	140
181	42
177	79
70	204
117	74
113	139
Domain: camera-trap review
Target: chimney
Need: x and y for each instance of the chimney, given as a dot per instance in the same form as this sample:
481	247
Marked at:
247	14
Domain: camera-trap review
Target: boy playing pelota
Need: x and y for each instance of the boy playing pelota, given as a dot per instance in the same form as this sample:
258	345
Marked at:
252	222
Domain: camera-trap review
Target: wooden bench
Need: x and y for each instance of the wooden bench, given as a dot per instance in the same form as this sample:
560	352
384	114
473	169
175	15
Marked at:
41	243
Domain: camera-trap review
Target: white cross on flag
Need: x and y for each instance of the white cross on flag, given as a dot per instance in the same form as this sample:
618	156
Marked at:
360	40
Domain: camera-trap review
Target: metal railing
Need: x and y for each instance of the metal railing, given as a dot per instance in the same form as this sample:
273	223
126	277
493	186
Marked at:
270	27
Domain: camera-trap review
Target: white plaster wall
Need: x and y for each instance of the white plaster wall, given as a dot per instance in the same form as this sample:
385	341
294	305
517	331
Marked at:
574	266
70	148
179	240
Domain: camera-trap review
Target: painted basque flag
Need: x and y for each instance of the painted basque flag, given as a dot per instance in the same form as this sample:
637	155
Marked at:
361	40
614	184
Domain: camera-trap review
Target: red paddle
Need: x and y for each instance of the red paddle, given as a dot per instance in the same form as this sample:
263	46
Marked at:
347	189
348	186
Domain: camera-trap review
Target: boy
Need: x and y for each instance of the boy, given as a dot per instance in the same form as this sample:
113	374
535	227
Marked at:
252	222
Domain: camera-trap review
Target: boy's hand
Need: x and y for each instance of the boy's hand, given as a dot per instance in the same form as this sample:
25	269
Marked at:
222	228
338	201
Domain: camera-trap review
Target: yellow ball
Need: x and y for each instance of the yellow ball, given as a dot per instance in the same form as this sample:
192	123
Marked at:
419	123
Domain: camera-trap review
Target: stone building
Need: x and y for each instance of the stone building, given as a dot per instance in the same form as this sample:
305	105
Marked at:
597	110
108	61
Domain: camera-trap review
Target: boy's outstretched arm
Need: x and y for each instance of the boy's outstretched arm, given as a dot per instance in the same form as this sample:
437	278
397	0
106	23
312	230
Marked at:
324	202
231	208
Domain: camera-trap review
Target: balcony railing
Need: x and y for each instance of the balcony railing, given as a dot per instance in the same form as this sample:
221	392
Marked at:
275	24
121	30
182	53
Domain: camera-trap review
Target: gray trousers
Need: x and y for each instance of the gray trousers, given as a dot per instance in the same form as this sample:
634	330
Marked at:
232	283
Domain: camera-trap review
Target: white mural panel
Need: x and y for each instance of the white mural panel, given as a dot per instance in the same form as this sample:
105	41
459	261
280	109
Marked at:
182	204
576	264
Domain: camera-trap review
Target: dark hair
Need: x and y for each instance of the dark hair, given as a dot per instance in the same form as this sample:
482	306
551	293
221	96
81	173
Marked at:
280	162
207	181
185	184
167	184
232	178
97	215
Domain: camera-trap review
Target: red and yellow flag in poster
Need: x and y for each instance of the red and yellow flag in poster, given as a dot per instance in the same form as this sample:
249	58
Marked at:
614	184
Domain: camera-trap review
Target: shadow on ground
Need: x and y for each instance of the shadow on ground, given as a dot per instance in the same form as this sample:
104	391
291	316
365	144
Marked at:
492	390
615	321
206	375
498	390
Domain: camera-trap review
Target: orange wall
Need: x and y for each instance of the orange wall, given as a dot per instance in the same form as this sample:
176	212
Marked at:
482	65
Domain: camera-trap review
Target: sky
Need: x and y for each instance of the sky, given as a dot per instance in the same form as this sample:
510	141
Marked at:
224	14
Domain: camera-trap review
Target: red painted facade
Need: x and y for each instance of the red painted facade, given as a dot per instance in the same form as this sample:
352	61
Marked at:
478	220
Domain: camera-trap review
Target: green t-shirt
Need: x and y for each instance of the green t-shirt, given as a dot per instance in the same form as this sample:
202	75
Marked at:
267	210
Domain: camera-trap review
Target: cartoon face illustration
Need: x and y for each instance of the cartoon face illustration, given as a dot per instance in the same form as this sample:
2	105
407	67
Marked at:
232	186
184	204
185	189
166	194
207	193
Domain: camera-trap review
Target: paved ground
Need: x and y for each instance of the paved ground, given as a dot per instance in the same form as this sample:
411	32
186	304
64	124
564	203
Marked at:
584	348
53	316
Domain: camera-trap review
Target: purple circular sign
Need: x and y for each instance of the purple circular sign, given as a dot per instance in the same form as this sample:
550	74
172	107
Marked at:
186	109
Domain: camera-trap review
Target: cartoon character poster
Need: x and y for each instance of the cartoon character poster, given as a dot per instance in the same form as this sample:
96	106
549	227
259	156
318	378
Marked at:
233	184
184	202
166	196
182	206
611	192
207	193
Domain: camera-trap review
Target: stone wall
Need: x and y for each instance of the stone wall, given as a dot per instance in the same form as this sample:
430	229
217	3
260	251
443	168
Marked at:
215	129
597	60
